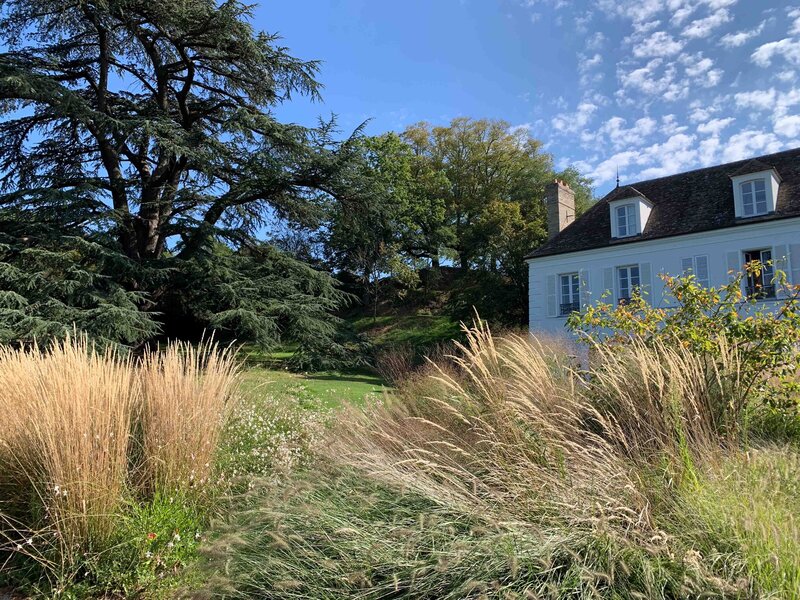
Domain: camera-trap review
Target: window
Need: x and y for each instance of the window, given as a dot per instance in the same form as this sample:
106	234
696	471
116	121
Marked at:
570	294
628	281
626	220
754	197
697	266
760	284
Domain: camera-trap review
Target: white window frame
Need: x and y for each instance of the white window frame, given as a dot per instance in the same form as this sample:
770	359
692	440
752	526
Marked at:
691	265
627	270
631	220
573	295
751	199
761	286
771	181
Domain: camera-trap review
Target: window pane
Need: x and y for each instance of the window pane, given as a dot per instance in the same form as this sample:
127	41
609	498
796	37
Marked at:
761	201
768	270
686	266
631	219
747	198
623	282
575	288
759	185
702	270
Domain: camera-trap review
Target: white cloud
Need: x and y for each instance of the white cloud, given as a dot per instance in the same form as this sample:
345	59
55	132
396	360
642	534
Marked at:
788	126
586	67
673	156
670	125
740	38
614	131
574	122
708	151
794	14
702	28
758	99
595	41
715	126
748	143
787	47
660	43
652	80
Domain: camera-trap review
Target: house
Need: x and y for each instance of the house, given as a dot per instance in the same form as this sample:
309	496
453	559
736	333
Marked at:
707	222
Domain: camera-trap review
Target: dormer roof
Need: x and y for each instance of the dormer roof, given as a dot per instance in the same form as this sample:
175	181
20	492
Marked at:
624	192
754	166
691	202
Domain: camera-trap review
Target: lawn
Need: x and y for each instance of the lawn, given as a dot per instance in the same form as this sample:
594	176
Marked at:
331	389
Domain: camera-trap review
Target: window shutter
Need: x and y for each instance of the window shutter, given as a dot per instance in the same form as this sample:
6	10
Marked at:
552	304
780	262
646	282
586	291
608	283
795	263
734	265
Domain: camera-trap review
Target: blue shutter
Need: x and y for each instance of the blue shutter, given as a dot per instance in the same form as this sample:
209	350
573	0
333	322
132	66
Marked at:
646	282
586	290
552	304
608	284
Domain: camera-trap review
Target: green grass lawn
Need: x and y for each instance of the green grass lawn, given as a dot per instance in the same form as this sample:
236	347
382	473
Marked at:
330	389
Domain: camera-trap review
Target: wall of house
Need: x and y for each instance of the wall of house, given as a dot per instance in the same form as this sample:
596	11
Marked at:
723	247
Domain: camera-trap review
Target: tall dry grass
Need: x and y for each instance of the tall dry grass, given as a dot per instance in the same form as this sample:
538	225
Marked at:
514	432
508	471
82	432
185	404
64	440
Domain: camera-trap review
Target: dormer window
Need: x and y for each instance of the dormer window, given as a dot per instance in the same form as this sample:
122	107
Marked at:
626	220
629	215
755	194
754	197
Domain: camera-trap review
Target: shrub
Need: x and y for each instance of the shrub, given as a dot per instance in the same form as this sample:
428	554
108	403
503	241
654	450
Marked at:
766	336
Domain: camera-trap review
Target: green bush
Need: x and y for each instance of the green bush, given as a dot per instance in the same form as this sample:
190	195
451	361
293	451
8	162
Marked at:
764	335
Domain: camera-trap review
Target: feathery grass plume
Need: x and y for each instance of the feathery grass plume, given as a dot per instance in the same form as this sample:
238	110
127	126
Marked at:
516	433
64	441
187	392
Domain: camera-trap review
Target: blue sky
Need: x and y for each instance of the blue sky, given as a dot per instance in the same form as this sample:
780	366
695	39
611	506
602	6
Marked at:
653	87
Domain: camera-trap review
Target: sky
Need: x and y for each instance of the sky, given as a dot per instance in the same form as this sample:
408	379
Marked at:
649	87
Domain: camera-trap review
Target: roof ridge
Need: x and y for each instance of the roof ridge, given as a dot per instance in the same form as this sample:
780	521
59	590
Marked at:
741	162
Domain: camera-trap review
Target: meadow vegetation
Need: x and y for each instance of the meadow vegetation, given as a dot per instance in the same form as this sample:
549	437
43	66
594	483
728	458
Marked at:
648	465
511	471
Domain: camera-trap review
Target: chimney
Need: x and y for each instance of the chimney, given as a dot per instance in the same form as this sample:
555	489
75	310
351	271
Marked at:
560	200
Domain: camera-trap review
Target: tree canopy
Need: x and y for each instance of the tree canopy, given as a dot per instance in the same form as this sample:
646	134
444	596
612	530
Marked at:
468	194
140	157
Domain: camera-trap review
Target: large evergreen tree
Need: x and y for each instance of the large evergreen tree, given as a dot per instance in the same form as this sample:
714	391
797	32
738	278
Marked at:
138	140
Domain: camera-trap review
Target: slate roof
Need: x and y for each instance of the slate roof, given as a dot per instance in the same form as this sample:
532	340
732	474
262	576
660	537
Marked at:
700	200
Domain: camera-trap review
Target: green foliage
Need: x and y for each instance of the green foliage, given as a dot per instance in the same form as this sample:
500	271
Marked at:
470	192
54	285
765	335
138	138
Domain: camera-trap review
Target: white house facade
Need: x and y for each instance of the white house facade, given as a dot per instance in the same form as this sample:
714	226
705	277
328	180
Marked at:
708	222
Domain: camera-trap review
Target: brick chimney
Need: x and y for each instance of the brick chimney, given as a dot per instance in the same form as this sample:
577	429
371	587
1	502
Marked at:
560	200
